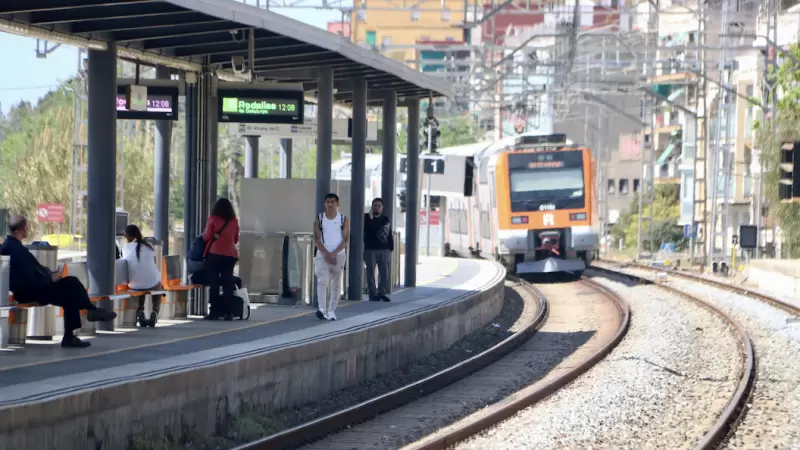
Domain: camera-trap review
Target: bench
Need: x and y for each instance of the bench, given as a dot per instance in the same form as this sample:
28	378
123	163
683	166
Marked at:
171	275
15	317
130	297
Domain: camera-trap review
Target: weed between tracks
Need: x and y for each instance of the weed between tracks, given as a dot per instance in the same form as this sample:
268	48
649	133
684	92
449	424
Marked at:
254	422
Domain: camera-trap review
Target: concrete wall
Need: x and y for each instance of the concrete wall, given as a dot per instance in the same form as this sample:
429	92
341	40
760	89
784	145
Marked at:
775	276
202	400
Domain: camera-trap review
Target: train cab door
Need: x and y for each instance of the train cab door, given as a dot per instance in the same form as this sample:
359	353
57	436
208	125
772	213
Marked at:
492	208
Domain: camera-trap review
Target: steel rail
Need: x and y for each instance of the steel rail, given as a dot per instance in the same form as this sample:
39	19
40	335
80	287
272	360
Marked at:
735	409
776	302
502	411
318	428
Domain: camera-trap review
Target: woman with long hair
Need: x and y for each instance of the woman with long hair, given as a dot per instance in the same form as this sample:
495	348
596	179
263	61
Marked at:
143	275
221	236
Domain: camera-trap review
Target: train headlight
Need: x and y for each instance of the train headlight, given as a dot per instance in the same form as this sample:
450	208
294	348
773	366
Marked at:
577	216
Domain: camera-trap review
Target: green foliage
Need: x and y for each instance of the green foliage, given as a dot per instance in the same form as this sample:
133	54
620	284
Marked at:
455	131
37	155
666	211
784	126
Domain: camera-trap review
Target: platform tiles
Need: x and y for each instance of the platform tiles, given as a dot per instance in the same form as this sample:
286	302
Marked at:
39	372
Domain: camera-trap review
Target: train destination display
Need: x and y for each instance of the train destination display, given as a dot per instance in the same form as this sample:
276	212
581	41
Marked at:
162	104
258	106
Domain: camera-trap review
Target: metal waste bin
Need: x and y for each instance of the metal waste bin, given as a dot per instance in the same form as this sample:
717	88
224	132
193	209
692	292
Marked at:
158	249
42	320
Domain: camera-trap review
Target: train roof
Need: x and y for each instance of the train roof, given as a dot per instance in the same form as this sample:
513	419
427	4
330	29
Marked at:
487	148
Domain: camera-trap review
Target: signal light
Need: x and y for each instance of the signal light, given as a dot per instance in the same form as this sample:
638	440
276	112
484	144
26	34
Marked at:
789	176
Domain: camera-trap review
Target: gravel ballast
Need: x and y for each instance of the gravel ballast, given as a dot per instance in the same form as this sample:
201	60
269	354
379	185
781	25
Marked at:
662	387
772	419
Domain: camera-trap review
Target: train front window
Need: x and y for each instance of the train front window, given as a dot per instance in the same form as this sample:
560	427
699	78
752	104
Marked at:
550	184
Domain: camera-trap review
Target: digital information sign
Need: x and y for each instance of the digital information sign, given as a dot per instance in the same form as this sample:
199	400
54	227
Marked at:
260	106
162	104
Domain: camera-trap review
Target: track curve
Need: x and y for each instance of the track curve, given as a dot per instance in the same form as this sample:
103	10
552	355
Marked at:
316	429
735	408
495	413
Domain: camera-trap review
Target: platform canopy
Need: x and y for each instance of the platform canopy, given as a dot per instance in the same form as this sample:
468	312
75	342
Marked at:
182	33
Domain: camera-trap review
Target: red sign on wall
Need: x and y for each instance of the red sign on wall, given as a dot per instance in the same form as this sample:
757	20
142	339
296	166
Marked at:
435	217
50	213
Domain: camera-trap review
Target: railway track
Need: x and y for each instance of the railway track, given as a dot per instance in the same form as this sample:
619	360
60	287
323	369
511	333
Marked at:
769	418
578	324
772	301
733	414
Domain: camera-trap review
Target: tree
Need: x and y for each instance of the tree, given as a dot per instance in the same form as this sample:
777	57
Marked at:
785	125
665	218
37	156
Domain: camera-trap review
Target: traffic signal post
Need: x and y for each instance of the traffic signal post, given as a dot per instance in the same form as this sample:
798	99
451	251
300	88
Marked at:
429	166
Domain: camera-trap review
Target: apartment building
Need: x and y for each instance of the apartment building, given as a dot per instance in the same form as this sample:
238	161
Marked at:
622	176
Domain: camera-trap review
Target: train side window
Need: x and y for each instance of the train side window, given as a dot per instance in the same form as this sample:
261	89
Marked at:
493	190
483	169
623	186
635	185
611	187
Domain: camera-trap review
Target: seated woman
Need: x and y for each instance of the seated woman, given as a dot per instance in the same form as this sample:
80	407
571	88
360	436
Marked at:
143	275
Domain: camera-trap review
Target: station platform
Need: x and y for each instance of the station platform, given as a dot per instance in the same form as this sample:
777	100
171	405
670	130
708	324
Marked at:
174	374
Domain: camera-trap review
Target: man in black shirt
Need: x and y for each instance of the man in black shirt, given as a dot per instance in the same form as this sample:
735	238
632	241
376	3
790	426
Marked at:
31	282
378	247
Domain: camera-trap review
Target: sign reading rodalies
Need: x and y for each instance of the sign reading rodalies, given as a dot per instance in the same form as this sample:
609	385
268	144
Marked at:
261	106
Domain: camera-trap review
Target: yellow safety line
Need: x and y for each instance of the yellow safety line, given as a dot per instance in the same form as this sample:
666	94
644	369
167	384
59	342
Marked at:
446	273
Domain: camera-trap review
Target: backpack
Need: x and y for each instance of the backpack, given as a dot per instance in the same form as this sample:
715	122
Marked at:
199	248
321	234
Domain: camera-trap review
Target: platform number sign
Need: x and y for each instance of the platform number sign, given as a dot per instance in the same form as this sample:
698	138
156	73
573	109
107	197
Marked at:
433	166
430	166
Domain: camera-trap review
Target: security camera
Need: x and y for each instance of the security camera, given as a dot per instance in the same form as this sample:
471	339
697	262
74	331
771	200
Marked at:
238	64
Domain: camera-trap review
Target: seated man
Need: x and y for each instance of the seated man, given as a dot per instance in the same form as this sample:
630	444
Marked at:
31	282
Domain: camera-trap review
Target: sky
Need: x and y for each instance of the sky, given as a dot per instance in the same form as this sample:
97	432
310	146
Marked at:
30	78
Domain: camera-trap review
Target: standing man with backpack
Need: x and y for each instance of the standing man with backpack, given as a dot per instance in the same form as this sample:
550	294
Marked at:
331	236
378	248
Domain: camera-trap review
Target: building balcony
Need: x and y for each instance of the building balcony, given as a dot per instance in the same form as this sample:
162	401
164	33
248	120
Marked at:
683	77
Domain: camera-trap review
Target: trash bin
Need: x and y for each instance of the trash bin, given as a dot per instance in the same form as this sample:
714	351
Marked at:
158	249
42	320
5	271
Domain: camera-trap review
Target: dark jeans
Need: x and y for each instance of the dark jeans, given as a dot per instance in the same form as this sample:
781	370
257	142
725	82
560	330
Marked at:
156	299
220	271
68	293
382	259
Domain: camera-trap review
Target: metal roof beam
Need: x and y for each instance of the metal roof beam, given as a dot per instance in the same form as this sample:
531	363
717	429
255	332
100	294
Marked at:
297	51
111	12
146	34
31	6
327	62
222	38
217	48
125	24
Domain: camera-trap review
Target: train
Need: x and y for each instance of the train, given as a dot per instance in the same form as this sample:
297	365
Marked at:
532	206
528	201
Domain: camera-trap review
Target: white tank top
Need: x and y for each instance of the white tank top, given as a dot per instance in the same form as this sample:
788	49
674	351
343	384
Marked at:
332	232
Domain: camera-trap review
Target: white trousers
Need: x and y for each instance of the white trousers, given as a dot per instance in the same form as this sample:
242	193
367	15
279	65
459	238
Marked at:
329	275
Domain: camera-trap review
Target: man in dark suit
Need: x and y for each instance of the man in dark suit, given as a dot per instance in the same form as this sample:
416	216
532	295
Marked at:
31	282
